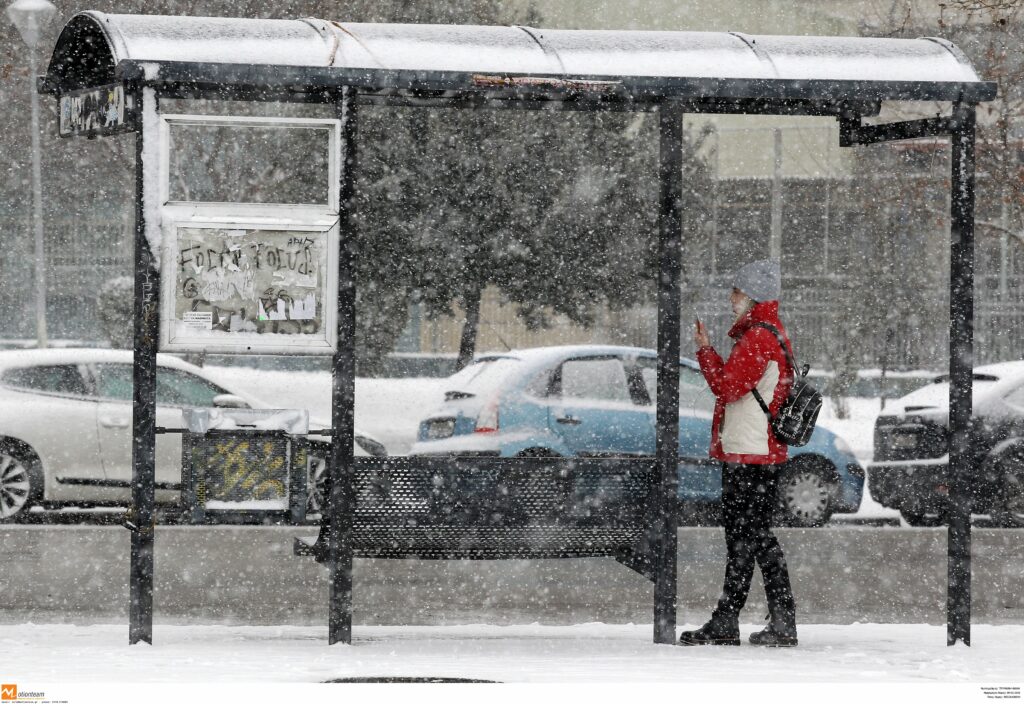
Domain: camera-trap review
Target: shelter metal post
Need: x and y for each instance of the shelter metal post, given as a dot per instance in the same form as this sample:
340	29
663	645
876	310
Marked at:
146	331
961	362
961	128
341	503
663	525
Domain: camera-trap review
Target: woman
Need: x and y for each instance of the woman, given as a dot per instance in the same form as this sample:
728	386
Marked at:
741	437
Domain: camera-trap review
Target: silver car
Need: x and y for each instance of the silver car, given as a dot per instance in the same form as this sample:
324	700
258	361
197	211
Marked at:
66	427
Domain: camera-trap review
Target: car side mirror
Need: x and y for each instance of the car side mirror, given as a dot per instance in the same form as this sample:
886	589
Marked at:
229	401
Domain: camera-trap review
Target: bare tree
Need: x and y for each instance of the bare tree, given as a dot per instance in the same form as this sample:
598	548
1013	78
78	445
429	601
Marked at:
901	188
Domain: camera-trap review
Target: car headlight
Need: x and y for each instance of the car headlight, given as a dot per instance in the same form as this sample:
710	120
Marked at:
842	446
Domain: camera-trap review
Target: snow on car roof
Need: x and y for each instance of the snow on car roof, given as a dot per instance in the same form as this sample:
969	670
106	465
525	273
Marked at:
540	355
83	355
570	349
936	395
1004	370
10	359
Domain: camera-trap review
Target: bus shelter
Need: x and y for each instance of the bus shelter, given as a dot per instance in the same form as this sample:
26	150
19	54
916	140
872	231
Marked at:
114	73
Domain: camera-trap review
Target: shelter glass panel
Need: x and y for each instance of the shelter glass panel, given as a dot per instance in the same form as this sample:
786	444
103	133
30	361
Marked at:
249	163
546	223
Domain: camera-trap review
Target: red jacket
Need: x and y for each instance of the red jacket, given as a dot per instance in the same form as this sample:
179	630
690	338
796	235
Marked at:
740	432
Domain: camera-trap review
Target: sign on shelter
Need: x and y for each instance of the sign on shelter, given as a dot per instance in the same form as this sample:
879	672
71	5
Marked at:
96	111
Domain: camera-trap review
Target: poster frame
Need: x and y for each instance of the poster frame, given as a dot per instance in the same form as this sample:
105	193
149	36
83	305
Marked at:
322	343
298	217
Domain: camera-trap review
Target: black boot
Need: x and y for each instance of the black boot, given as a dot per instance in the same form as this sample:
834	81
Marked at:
720	630
780	633
781	630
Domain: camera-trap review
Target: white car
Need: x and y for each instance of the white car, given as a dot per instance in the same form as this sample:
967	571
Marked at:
66	427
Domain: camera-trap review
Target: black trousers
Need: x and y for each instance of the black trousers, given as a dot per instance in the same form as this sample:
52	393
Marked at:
748	499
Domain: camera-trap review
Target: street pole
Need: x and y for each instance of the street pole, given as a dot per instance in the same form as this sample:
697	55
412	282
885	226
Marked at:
30	17
775	238
37	205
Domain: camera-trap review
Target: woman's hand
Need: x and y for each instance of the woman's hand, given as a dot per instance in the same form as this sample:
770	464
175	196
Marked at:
700	335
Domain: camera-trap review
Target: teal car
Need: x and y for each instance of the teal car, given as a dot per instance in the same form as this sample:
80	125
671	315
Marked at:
600	401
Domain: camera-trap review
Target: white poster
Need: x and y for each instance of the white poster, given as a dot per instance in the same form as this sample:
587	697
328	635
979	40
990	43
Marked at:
250	288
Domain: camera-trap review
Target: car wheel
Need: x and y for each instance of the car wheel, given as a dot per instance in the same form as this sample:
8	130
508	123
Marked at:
804	494
21	482
919	519
1008	509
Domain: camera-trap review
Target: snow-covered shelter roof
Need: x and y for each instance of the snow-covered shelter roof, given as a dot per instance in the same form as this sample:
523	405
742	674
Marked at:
97	48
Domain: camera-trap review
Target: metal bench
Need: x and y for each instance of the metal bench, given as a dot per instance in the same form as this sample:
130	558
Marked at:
498	508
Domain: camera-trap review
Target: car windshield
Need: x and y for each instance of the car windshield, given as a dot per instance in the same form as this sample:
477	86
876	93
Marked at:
483	376
173	386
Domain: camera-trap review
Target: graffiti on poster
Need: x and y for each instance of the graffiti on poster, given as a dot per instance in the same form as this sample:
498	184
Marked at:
250	280
96	111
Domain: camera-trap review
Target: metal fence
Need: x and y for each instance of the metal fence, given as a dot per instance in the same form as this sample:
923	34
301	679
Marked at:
915	339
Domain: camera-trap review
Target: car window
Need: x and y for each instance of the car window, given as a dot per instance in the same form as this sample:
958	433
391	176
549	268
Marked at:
694	394
649	372
173	386
54	379
595	380
178	388
114	381
540	385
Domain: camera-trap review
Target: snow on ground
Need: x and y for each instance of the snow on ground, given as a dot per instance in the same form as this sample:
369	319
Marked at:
585	653
859	431
390	409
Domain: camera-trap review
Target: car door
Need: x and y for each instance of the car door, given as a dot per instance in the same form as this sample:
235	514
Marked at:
595	412
175	390
696	407
696	410
1007	425
700	478
51	409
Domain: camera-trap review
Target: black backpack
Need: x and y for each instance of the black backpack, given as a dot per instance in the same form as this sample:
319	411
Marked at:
795	421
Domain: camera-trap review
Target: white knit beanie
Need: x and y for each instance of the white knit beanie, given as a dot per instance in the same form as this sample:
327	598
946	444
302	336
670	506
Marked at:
761	280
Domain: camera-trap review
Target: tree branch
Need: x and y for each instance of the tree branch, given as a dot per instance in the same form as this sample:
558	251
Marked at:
1016	234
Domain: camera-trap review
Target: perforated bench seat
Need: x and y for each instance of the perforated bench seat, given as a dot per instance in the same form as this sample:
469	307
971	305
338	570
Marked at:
442	543
496	508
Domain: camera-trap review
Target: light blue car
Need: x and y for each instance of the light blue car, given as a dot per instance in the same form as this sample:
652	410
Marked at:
599	401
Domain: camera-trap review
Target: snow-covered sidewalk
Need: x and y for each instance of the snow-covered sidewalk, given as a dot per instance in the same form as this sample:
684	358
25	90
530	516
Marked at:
582	654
